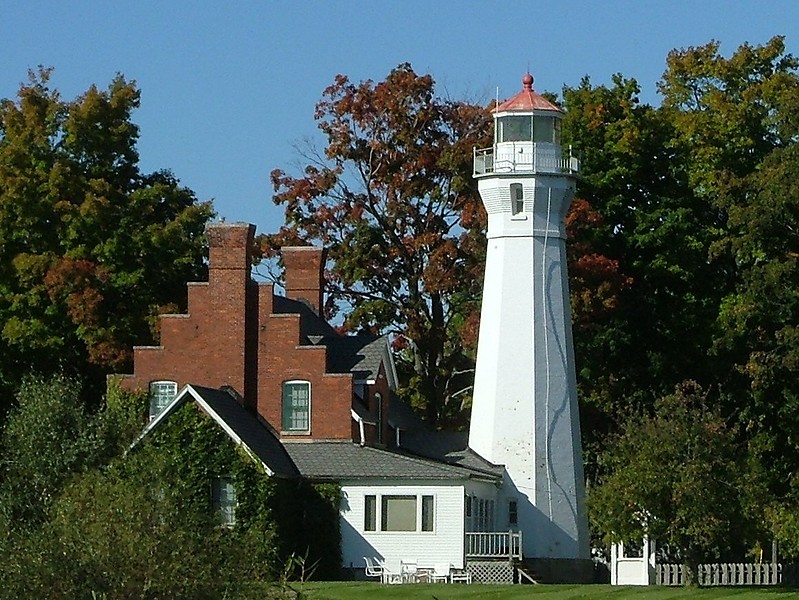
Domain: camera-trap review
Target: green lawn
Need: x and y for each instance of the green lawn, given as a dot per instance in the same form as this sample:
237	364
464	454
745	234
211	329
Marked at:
368	591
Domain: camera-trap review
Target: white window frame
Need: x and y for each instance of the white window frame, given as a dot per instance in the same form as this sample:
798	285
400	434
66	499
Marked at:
224	508
283	415
420	511
516	199
158	402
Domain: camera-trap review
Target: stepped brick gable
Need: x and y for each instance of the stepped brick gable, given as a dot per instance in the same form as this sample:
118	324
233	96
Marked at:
238	333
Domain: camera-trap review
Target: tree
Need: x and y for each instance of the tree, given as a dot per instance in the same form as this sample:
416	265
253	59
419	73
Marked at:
90	247
680	477
737	118
645	236
48	436
393	200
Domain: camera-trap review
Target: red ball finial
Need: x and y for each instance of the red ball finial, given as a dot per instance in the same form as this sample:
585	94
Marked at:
527	81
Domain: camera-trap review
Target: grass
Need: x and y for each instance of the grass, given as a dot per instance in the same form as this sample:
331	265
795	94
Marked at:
377	591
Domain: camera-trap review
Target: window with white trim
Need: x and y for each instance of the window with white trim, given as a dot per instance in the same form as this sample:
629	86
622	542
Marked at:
399	512
516	198
223	500
161	394
370	513
297	406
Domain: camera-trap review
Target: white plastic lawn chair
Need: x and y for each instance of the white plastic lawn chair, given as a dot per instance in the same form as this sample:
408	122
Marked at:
373	568
440	573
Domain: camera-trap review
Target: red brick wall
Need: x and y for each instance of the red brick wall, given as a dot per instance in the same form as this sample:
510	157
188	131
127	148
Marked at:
230	337
206	346
282	359
305	274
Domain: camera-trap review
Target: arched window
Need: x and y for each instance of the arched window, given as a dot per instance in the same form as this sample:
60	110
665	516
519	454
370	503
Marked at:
379	411
516	198
161	394
297	406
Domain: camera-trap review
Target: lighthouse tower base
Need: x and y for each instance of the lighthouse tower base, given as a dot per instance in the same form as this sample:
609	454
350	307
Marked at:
562	570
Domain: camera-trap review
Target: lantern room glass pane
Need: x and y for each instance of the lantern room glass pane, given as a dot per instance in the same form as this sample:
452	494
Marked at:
515	129
544	129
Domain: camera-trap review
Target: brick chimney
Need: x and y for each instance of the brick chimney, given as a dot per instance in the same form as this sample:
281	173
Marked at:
305	274
230	246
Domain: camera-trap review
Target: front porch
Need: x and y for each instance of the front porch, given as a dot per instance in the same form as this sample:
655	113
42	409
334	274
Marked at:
494	556
493	545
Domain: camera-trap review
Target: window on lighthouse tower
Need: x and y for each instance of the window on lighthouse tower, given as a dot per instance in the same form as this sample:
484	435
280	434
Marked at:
516	198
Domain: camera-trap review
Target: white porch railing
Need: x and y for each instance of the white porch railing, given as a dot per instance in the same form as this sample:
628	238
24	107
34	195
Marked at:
540	160
722	574
494	545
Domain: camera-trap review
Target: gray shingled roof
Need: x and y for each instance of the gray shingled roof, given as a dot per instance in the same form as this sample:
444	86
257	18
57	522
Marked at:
360	355
311	324
401	415
451	447
341	461
250	430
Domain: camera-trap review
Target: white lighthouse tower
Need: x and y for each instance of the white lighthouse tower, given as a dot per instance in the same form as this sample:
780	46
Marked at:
524	412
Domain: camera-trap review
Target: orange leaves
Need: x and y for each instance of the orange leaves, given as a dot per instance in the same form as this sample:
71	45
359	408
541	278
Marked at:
76	283
596	281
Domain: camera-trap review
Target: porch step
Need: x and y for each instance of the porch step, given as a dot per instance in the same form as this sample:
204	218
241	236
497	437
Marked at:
525	575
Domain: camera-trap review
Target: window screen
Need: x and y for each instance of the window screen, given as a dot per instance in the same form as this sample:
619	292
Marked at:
398	513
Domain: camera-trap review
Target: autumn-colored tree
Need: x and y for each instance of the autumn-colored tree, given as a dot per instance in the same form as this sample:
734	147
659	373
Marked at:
393	199
90	247
703	217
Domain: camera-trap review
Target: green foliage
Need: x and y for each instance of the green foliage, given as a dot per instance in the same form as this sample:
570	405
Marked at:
90	247
143	526
276	519
680	477
656	287
49	436
108	535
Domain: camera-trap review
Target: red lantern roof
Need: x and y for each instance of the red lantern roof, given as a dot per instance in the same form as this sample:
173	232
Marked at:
527	99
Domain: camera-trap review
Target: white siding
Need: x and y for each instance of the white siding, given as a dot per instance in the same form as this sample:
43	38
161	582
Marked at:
443	544
479	490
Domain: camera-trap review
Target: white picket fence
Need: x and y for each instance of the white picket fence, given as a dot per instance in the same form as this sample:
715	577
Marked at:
722	574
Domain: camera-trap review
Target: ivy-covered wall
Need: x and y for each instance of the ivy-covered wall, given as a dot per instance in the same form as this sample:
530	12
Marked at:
280	523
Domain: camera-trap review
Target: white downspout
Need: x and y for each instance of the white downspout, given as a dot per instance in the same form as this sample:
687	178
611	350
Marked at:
360	427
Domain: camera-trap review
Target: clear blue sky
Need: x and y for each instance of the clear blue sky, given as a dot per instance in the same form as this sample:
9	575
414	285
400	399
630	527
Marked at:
229	88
